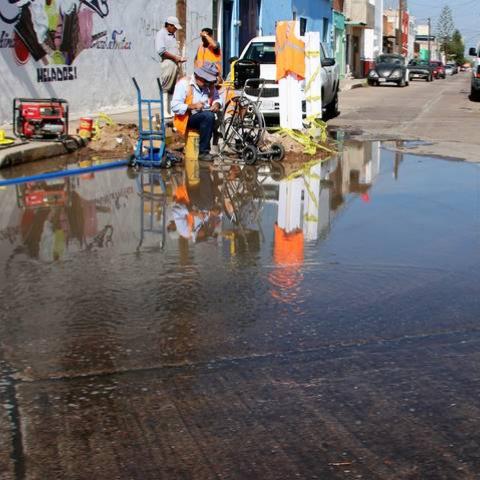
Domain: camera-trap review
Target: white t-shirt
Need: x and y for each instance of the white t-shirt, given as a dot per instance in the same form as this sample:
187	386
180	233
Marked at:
166	42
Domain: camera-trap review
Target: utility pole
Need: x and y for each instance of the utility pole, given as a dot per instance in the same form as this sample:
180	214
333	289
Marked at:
181	12
401	7
429	38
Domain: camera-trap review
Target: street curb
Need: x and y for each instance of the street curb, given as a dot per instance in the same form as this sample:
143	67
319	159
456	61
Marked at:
359	85
352	86
34	151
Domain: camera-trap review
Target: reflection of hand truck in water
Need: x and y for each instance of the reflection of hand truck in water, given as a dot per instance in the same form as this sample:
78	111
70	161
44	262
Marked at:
152	190
243	125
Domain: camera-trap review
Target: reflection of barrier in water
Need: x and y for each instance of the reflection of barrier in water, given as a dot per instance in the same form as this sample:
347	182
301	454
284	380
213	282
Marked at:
153	205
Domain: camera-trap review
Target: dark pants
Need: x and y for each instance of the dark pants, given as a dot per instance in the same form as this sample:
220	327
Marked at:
203	122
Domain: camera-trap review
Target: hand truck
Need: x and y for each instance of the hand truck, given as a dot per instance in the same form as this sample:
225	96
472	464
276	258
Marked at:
150	149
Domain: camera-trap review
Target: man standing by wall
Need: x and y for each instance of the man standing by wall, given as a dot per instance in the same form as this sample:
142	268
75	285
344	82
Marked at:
209	51
166	46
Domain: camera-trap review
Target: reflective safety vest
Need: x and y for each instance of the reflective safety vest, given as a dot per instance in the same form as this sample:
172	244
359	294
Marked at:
208	54
289	51
180	122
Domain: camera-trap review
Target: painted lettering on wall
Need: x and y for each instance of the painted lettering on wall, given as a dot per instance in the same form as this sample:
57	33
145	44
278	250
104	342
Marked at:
148	28
54	33
56	74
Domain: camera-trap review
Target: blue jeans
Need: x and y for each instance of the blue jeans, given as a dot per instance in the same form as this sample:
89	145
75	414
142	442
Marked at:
203	122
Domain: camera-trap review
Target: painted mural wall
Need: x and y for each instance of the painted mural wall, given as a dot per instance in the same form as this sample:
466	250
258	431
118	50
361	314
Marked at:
86	51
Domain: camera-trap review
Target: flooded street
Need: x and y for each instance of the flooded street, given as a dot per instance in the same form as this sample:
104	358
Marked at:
248	322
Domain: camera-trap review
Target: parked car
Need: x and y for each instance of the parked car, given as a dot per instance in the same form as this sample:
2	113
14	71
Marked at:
389	68
262	50
449	69
475	81
420	69
438	69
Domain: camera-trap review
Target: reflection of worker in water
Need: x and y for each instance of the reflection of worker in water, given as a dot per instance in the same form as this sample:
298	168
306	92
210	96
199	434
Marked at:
194	215
209	51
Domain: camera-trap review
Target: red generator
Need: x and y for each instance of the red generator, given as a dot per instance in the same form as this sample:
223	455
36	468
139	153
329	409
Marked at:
40	119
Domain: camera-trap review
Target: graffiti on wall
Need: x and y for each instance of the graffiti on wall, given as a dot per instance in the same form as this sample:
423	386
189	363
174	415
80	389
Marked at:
54	33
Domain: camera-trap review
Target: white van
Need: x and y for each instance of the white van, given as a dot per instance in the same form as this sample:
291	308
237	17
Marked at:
262	50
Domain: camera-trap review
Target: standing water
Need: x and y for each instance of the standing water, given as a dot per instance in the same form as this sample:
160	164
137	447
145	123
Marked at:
255	323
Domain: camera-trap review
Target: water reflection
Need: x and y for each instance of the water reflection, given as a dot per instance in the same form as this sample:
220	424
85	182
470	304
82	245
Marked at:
145	261
51	221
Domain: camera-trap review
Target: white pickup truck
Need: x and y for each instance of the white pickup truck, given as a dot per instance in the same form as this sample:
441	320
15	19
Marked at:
262	50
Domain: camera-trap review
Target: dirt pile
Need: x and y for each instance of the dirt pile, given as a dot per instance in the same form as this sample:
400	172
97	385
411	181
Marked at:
119	140
115	139
295	151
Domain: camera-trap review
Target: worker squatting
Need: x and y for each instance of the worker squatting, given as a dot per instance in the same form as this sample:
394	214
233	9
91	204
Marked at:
56	74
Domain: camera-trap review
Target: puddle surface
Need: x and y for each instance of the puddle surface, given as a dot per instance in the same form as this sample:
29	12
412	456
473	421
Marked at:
113	273
114	269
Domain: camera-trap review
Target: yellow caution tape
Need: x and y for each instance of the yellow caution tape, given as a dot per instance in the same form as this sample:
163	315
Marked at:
4	140
311	79
304	171
310	218
315	125
310	145
102	121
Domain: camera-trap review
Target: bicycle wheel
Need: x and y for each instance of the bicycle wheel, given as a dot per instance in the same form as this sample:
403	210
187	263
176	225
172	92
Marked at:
243	124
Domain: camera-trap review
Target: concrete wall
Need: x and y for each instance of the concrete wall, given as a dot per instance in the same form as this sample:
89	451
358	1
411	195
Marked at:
378	34
361	11
271	11
313	12
62	60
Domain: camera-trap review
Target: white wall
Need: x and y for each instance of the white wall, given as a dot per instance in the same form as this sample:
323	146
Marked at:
368	44
378	36
99	77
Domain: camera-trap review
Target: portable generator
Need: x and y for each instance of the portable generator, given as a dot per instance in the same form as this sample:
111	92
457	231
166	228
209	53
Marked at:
243	70
40	119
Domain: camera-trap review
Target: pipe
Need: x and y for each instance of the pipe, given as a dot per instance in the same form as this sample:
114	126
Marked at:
63	173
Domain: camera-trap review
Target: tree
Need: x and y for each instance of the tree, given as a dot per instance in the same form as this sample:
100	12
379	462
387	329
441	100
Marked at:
445	27
456	48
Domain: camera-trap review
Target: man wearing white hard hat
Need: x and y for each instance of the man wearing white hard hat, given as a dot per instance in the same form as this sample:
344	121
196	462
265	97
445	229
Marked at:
167	47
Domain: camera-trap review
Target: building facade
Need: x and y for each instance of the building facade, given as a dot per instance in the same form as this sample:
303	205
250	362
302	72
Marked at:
428	44
339	36
88	52
364	30
240	20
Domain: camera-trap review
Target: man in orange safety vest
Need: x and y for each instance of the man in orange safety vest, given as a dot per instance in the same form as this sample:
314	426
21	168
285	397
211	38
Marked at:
209	51
194	104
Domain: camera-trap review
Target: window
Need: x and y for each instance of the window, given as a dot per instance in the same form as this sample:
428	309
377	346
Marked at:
261	52
303	26
325	30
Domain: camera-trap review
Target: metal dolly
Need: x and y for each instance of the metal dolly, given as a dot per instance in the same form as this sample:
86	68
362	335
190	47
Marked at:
243	125
147	152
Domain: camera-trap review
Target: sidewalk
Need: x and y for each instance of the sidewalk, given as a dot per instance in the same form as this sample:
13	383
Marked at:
350	83
30	151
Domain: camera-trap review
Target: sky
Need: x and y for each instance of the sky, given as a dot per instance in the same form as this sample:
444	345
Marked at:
466	15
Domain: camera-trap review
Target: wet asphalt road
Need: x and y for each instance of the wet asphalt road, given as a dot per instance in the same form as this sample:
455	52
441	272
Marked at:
323	326
440	113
